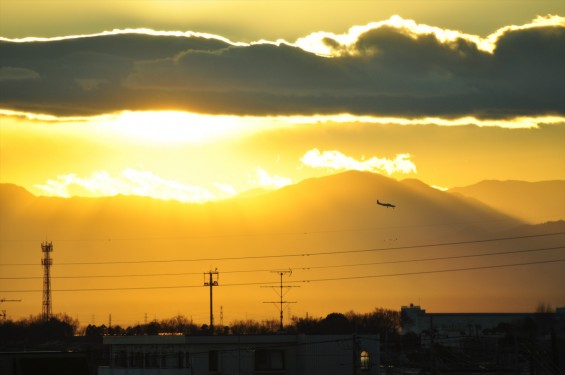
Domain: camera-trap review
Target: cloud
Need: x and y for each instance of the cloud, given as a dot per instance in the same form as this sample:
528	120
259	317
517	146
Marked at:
129	182
265	180
335	160
147	184
331	44
8	73
89	84
393	68
226	189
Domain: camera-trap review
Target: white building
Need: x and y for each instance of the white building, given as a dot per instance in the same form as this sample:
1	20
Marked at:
244	354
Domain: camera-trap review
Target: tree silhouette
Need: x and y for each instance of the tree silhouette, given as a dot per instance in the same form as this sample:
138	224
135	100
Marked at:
336	323
35	331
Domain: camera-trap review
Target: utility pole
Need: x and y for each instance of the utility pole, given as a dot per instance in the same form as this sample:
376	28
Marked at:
281	295
213	277
3	314
46	262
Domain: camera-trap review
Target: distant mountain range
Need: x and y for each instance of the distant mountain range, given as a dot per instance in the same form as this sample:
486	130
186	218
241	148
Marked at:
336	202
335	214
534	202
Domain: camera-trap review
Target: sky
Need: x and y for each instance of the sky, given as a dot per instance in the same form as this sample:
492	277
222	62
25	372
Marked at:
203	100
112	95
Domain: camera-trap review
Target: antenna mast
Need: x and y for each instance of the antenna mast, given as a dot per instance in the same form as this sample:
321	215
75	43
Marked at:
46	262
281	294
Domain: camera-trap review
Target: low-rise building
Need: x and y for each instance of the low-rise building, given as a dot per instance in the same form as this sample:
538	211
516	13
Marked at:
453	325
244	354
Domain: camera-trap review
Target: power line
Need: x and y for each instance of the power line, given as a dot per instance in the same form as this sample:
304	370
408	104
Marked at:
431	259
296	268
433	271
135	275
296	254
300	281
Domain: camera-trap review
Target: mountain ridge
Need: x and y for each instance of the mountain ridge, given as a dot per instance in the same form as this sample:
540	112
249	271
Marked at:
326	228
507	196
534	202
339	202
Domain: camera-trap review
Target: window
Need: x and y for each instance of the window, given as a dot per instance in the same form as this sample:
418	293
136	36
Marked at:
213	361
136	359
152	360
269	360
120	358
365	361
183	360
187	360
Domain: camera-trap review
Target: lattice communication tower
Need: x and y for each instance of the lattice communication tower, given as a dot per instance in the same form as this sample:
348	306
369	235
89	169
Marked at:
46	262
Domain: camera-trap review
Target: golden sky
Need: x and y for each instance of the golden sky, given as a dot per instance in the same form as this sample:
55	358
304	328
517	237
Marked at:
186	160
198	101
251	20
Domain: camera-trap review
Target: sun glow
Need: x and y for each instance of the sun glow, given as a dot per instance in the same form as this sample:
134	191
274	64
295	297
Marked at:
175	126
180	126
155	126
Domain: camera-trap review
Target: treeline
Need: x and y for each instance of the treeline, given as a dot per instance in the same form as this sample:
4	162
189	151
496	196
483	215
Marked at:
379	321
61	328
34	331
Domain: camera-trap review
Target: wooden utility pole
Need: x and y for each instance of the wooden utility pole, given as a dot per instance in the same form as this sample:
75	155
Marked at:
213	277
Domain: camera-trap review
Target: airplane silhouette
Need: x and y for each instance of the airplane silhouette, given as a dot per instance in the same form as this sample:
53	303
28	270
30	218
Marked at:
387	205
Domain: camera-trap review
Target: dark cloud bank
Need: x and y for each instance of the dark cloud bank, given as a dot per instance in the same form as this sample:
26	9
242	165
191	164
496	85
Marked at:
390	74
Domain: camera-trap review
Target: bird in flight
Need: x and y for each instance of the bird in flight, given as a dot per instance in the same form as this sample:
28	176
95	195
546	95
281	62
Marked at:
387	205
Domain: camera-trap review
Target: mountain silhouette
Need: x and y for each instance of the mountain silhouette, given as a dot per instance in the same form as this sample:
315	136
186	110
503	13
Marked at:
534	202
343	204
327	228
